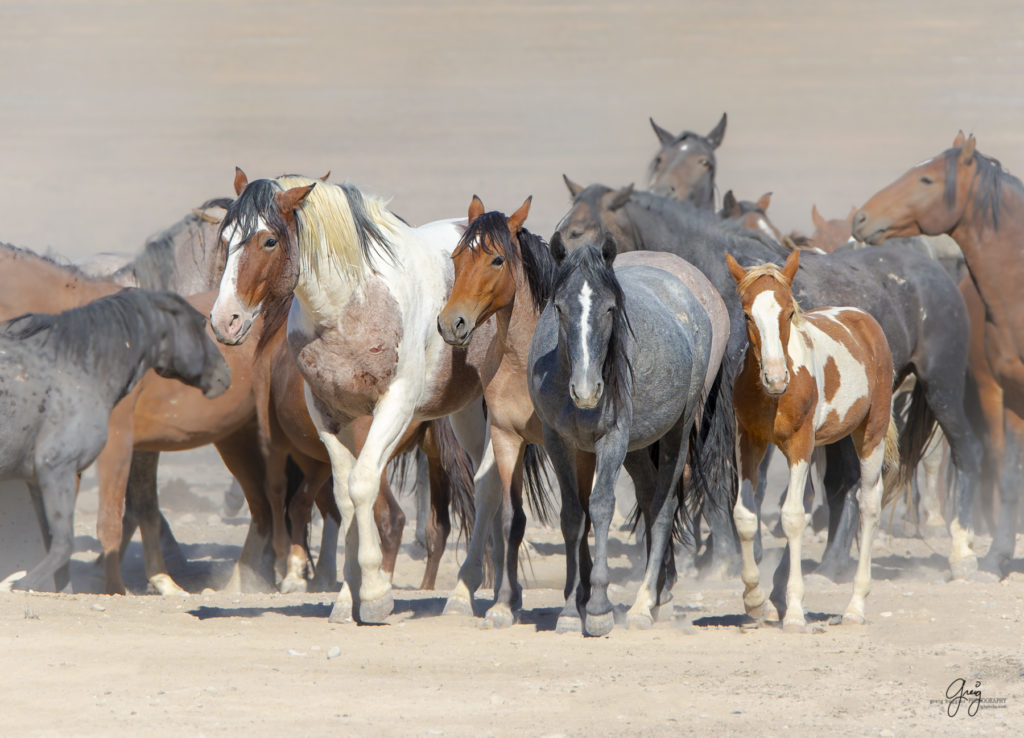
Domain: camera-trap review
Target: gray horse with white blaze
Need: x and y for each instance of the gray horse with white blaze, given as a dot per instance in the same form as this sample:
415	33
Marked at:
62	374
618	362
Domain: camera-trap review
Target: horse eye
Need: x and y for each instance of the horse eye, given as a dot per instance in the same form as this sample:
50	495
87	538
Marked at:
575	234
791	314
270	243
497	261
927	180
657	161
705	163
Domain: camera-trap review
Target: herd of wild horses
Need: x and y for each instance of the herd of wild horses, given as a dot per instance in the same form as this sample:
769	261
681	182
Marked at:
652	334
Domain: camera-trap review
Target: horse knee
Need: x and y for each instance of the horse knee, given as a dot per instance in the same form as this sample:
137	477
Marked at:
746	522
793	523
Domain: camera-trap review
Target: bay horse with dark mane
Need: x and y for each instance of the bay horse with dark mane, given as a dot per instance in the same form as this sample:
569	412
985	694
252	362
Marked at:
972	198
808	379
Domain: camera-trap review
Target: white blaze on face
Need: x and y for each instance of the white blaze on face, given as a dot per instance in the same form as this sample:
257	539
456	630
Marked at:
227	303
585	303
766	311
766	229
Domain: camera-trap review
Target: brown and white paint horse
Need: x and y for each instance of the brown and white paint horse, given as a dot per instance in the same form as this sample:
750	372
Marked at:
808	379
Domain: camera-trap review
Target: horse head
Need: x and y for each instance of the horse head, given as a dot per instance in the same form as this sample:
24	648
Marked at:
684	166
259	232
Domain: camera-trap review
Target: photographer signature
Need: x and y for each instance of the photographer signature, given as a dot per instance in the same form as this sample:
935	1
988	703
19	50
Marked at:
957	693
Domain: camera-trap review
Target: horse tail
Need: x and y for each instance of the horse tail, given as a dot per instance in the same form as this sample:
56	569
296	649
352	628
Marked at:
537	486
712	454
456	474
918	426
894	476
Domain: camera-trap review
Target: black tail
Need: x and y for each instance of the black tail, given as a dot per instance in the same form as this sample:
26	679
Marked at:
456	475
712	455
919	423
537	486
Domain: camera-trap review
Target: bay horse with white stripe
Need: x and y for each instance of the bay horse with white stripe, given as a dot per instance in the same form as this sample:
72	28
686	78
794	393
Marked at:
808	379
362	327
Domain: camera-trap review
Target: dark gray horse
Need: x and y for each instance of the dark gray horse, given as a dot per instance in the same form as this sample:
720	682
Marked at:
904	290
684	166
617	363
59	379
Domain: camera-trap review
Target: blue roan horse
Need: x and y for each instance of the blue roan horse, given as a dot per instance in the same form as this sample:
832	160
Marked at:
618	363
61	375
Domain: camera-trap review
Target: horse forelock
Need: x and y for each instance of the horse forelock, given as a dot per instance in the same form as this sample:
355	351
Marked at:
774	273
528	252
589	264
255	207
341	228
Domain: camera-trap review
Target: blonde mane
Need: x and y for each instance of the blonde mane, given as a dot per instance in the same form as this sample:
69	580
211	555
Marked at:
771	270
341	228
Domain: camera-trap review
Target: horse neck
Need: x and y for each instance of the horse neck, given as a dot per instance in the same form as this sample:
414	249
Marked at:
994	258
516	323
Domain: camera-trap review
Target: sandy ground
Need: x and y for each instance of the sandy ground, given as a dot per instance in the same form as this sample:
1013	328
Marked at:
117	117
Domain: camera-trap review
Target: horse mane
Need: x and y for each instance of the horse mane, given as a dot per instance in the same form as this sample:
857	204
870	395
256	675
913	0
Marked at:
617	365
530	252
772	271
340	225
90	334
987	194
690	221
72	269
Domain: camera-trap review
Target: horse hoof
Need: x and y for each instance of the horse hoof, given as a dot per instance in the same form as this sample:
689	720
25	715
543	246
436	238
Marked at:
376	611
290	585
964	568
569	624
341	612
499	616
12	579
994	563
835	571
639	621
163	585
599	625
794	626
852	618
458	606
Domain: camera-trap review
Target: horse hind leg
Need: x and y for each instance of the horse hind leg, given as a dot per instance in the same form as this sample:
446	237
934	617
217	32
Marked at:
439	526
1001	550
142	499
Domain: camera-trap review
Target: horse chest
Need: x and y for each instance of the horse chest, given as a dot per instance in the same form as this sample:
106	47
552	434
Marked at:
350	364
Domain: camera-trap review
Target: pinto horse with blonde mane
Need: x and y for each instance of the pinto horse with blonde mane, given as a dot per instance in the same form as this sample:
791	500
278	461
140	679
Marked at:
808	379
362	327
972	198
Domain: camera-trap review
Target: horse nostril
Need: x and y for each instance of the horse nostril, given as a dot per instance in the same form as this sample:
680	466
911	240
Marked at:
860	218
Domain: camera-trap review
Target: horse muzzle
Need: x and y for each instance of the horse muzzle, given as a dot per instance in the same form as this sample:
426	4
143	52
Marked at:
456	332
863	229
585	396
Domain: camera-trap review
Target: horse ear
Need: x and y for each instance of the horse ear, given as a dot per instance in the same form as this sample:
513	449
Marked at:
959	140
557	246
792	264
516	220
737	272
326	176
664	137
967	151
241	181
853	212
621	197
819	222
476	208
764	202
292	199
609	250
730	207
718	132
574	189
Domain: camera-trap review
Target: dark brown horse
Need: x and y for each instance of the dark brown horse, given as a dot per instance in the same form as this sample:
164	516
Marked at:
972	198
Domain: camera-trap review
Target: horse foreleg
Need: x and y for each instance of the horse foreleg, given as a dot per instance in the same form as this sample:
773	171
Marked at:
508	454
143	501
869	498
749	454
610	451
471	431
390	521
112	467
56	488
1000	553
794	521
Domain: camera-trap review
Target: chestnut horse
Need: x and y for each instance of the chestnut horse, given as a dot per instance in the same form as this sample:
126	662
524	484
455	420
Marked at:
362	328
808	379
972	198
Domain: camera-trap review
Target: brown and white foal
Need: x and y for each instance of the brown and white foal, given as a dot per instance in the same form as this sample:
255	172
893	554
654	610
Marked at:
809	379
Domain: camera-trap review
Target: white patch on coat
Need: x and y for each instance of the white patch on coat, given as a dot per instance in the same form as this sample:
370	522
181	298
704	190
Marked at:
585	294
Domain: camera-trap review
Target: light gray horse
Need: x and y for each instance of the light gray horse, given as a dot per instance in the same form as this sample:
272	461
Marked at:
62	374
617	363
